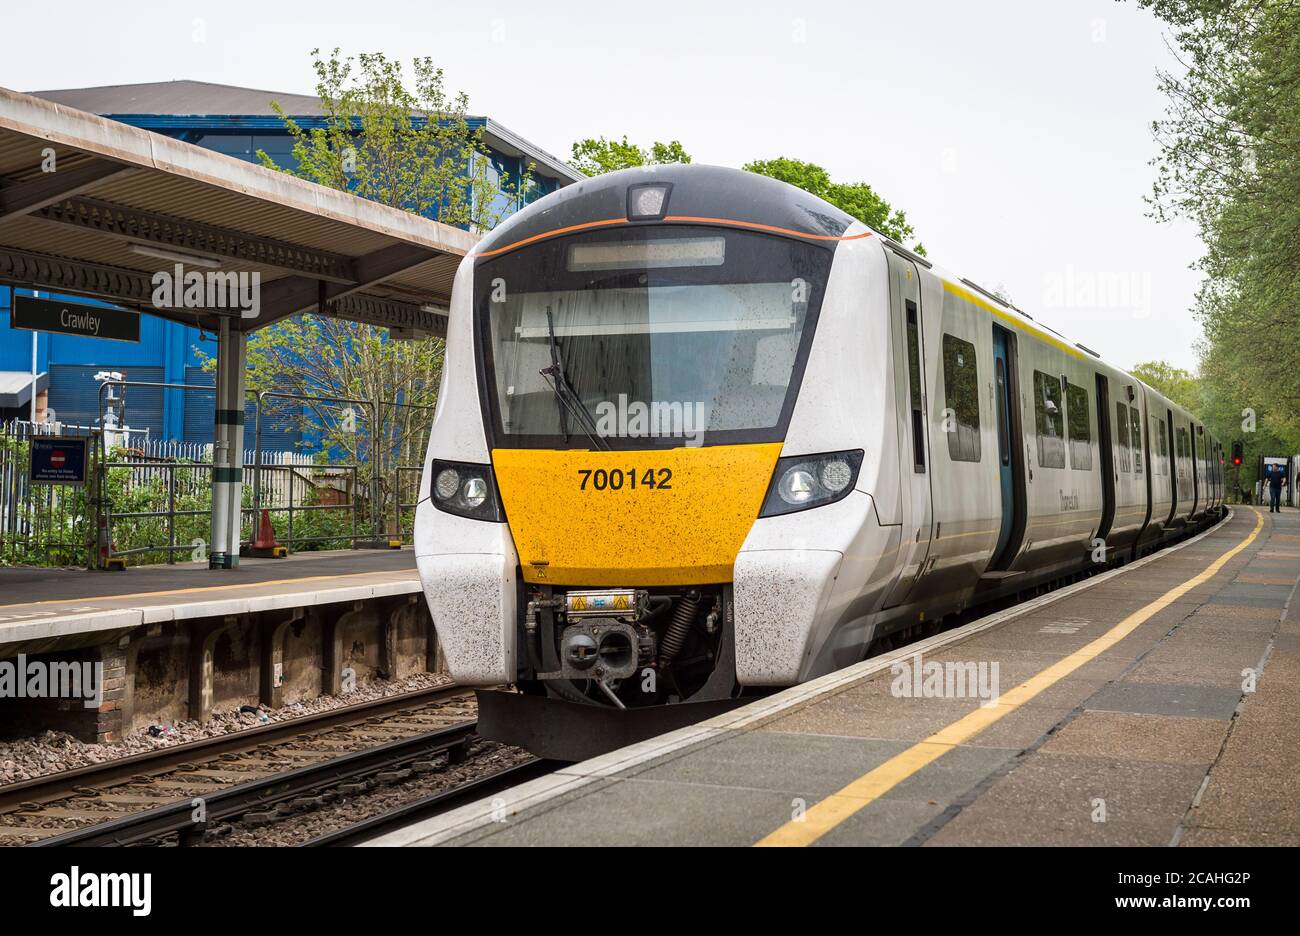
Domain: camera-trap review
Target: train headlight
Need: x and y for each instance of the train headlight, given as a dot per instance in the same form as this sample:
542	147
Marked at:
648	202
807	481
474	492
466	490
797	487
447	483
837	474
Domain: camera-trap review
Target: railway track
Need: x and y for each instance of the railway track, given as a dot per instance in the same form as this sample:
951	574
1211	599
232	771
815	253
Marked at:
433	805
160	792
305	787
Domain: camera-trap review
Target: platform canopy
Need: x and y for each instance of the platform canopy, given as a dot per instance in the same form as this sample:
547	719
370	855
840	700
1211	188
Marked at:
93	207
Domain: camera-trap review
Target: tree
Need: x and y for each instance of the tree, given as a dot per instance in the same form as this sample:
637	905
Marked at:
598	156
397	381
408	147
1226	161
1177	384
854	198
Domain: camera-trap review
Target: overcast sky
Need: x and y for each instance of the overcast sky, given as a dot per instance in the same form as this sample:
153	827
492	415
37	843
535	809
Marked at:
1014	133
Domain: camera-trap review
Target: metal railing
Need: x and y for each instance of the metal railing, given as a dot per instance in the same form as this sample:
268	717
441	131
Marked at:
150	500
350	469
127	478
405	478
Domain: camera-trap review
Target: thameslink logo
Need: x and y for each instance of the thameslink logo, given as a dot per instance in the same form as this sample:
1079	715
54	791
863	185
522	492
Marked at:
915	679
638	420
76	889
34	679
212	290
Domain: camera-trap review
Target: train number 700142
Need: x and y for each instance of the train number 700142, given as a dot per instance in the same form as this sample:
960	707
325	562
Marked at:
616	479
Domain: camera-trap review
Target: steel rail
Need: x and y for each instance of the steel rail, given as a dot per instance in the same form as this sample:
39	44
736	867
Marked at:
56	786
434	805
178	817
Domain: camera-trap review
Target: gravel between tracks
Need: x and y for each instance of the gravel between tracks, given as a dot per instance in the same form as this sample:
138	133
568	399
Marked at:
55	751
485	757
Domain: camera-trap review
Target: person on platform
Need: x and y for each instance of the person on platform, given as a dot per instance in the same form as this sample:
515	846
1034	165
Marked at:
1276	479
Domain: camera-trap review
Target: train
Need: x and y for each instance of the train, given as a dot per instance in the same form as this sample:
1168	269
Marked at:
701	434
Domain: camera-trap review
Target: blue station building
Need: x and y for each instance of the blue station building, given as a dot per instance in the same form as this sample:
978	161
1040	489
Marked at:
237	122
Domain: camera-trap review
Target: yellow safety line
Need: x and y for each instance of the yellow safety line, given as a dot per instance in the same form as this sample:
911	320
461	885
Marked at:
198	588
834	809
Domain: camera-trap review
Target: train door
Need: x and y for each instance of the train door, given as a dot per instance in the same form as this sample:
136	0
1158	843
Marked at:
1167	427
1005	391
1105	447
1196	468
1143	446
913	426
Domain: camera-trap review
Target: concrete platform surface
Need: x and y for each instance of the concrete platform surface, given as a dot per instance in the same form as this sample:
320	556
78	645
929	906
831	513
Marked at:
1158	704
39	604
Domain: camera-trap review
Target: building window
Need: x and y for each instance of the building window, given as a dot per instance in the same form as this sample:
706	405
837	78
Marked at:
1080	428
1050	420
961	421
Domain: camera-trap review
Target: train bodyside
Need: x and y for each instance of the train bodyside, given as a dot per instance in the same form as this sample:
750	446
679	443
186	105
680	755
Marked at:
967	498
995	456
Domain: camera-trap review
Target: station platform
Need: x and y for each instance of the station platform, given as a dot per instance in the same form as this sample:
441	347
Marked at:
46	605
1157	704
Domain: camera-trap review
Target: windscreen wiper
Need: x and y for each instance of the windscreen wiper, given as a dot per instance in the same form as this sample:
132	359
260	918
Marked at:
564	392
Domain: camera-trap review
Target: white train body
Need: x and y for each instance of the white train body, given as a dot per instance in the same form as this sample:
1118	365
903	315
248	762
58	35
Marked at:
994	454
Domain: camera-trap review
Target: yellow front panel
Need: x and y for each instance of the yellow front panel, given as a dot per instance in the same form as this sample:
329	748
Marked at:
681	523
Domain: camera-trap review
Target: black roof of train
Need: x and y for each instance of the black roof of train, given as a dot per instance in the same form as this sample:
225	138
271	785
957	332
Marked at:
712	192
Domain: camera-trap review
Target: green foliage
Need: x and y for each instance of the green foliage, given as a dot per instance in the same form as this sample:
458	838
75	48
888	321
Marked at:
134	491
321	518
349	361
854	198
410	148
407	147
1227	161
1177	384
598	156
51	524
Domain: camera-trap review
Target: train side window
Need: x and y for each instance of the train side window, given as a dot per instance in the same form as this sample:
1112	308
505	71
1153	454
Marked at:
1137	440
1121	437
961	418
1163	437
1184	452
1080	425
914	379
1050	420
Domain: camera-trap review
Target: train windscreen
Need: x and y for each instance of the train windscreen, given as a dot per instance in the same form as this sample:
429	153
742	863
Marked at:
647	336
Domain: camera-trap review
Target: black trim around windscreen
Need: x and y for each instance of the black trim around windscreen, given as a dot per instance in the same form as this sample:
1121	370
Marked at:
522	266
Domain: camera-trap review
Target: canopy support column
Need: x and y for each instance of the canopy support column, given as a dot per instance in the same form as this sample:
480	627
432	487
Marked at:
228	450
